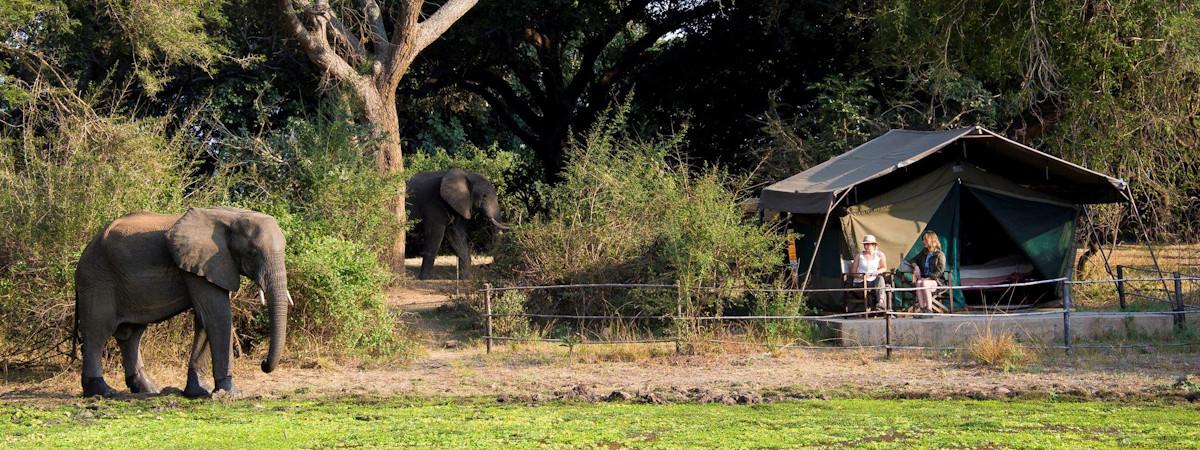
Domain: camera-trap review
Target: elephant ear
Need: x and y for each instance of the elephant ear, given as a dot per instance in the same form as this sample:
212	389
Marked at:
199	243
456	191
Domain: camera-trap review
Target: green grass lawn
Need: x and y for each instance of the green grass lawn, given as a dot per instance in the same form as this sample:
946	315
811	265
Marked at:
173	423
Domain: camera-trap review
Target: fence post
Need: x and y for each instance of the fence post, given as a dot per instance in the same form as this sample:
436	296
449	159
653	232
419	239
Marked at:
487	303
678	319
1067	316
678	325
1180	318
887	334
1121	285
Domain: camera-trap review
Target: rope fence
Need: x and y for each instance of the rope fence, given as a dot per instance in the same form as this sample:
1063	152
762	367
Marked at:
1178	314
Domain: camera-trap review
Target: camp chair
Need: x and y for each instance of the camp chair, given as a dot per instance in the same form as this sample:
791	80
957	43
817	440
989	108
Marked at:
851	298
904	279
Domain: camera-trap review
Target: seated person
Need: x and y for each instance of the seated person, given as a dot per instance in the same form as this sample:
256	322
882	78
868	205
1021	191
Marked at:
929	270
871	263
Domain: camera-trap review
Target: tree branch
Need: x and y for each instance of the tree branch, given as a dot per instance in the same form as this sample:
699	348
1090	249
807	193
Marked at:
440	21
499	86
376	31
316	45
595	46
347	39
506	114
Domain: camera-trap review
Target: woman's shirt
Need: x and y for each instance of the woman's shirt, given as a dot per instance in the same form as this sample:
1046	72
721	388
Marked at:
870	264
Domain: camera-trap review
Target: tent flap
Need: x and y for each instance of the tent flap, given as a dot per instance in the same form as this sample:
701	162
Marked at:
1045	232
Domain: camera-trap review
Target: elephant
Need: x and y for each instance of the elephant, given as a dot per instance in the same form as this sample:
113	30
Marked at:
449	199
145	268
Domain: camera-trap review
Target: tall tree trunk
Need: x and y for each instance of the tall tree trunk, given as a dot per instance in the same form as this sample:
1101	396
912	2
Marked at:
380	112
340	53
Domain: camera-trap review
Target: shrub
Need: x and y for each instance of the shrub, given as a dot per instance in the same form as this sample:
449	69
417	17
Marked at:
624	214
318	178
338	287
778	333
70	170
321	169
505	321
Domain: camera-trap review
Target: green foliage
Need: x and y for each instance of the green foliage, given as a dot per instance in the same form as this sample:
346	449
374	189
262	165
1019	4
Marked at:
478	423
1112	85
339	287
506	305
623	214
70	171
499	166
321	169
317	177
778	333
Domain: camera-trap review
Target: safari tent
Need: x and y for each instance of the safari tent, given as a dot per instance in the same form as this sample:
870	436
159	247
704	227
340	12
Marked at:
1004	212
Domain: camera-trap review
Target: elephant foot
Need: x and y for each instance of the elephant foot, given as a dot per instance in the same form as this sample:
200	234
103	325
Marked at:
224	385
139	384
93	386
194	389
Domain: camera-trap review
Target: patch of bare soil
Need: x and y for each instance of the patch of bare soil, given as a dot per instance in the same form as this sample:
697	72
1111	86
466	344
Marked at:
550	374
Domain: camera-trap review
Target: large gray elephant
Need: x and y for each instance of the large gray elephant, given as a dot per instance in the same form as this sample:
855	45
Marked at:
145	268
448	200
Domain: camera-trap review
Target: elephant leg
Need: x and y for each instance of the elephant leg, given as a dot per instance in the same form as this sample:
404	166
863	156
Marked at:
93	363
200	352
212	304
458	241
429	248
96	325
129	336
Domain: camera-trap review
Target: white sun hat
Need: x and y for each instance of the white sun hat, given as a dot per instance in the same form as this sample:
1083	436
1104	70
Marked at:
869	239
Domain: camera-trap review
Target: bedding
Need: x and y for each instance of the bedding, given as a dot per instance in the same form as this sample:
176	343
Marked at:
1009	269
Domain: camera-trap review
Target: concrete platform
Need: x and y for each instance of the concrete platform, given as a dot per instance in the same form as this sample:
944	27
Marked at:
955	331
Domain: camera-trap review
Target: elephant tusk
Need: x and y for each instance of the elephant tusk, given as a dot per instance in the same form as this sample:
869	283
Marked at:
262	297
501	226
290	303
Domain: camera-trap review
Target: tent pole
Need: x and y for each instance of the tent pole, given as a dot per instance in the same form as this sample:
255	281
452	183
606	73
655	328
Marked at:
820	236
1145	234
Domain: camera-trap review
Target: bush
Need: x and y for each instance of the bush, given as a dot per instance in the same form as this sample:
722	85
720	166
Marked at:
778	333
506	306
321	169
623	214
69	171
339	288
318	178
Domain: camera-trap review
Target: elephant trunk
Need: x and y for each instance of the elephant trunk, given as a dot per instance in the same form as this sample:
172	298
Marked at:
276	287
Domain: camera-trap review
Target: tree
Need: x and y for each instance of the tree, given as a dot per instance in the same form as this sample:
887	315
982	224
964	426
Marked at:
550	66
369	65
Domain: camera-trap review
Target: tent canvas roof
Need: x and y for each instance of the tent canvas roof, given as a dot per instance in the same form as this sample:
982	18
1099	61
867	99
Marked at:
816	190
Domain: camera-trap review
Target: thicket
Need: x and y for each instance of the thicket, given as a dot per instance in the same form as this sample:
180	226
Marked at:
73	167
66	172
317	177
629	210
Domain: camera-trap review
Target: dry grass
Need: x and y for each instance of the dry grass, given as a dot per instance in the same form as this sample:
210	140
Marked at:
998	350
1184	258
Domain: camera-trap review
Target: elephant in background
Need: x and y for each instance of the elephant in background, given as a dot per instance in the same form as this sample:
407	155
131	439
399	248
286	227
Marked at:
145	268
448	200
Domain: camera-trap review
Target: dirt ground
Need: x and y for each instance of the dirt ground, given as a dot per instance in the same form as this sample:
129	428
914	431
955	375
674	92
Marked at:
454	366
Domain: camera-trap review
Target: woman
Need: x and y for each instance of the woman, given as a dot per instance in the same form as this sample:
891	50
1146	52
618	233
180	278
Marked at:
871	263
929	270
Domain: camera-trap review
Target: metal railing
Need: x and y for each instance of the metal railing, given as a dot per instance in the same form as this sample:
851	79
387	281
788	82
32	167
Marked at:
1179	313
